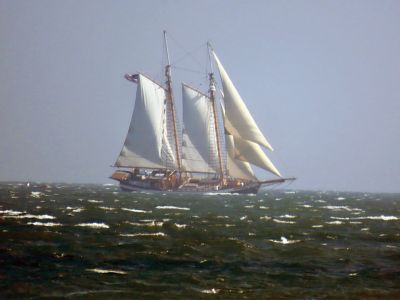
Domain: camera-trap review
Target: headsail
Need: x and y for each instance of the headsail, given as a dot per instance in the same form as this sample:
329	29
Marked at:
238	119
144	142
237	168
199	152
251	152
242	152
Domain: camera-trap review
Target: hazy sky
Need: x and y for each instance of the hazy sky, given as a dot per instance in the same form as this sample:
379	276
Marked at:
322	79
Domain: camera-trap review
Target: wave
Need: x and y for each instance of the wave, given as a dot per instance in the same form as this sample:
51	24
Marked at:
75	209
284	241
107	271
146	224
283	222
334	222
36	194
29	216
93	225
172	207
180	225
143	234
11	212
95	201
136	210
287	216
106	208
381	217
339	208
48	224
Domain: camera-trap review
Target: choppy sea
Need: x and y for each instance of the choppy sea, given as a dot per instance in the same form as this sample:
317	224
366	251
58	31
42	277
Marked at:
94	242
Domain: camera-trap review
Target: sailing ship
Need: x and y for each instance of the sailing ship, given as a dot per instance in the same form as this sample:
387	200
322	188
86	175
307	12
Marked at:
158	156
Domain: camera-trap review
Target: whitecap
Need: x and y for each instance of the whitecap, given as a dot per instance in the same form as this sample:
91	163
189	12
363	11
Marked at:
284	241
152	223
381	217
212	291
283	222
106	208
180	225
340	198
95	201
172	207
136	210
75	209
317	226
265	218
306	205
287	216
36	194
222	217
249	206
334	222
11	212
243	218
339	208
48	224
106	271
142	234
29	216
93	225
264	207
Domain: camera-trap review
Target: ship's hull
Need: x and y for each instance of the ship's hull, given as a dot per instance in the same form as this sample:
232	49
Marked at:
250	188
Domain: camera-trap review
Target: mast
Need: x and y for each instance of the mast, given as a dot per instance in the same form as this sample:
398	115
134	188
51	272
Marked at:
214	108
170	100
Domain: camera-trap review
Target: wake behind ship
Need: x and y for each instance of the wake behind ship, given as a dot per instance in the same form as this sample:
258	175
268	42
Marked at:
158	156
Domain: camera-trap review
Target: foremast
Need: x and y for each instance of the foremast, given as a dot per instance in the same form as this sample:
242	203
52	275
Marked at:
170	102
214	109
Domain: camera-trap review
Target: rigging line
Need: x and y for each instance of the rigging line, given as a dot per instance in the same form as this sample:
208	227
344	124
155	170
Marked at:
186	69
187	53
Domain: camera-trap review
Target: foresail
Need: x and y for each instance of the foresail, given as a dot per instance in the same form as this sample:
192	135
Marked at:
199	152
144	141
251	152
238	119
237	168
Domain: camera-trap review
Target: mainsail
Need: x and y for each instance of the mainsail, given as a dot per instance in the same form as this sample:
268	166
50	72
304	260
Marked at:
199	150
146	144
238	119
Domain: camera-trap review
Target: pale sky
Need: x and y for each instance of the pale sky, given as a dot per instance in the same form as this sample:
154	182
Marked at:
321	78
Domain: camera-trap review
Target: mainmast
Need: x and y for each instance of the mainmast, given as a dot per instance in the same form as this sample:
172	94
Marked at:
170	100
214	108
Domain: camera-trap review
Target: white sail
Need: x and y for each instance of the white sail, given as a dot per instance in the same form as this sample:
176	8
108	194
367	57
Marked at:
237	168
251	152
238	119
144	141
199	152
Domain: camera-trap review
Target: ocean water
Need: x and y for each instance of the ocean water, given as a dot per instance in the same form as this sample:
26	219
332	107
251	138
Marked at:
94	242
